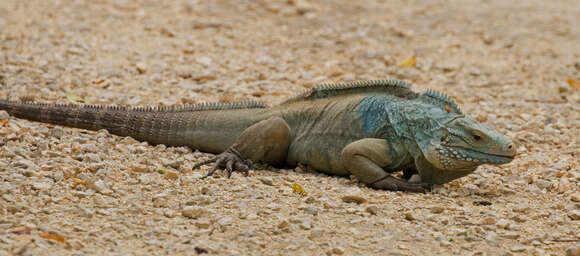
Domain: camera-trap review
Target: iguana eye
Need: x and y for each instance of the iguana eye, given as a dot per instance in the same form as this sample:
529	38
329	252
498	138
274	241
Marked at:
476	137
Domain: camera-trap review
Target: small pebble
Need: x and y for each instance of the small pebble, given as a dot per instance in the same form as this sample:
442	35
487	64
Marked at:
41	185
354	199
176	164
158	196
225	221
482	202
518	248
492	237
511	235
283	224
575	197
372	209
503	223
488	221
267	181
573	250
306	225
311	210
169	213
437	209
56	132
310	200
193	212
92	158
206	61
415	178
140	168
337	250
101	187
574	214
104	212
141	67
203	223
171	174
4	115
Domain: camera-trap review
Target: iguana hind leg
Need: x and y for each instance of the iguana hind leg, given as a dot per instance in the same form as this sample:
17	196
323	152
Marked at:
365	160
266	141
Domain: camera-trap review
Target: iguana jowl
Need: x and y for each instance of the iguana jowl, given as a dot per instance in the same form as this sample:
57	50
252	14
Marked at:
368	129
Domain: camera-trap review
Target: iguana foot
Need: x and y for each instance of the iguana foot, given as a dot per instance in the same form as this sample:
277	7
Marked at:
391	183
230	160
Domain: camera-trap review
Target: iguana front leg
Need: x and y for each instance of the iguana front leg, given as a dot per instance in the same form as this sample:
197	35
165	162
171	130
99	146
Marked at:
265	141
365	160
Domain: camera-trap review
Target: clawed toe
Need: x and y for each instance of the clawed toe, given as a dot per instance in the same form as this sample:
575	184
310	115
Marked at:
230	161
395	184
416	187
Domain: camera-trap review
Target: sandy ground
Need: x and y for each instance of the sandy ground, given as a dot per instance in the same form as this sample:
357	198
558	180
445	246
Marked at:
72	192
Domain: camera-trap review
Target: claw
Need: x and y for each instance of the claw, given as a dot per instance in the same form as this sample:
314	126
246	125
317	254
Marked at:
392	183
230	167
218	163
230	161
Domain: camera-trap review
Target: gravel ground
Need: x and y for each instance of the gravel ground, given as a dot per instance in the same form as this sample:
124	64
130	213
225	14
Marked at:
72	192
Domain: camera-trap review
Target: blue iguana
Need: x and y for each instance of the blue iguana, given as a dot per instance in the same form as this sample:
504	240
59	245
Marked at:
368	129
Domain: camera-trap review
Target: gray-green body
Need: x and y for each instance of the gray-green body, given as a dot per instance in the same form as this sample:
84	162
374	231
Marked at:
368	129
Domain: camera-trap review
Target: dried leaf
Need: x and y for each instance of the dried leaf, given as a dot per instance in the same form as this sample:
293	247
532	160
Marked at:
74	98
409	62
573	83
52	236
78	181
298	189
24	231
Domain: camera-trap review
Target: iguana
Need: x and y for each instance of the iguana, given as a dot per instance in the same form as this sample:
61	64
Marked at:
368	129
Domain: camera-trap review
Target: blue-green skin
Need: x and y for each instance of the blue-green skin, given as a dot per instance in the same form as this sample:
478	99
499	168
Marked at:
424	133
413	129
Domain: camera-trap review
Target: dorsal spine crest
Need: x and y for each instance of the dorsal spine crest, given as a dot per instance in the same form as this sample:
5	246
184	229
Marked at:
205	106
328	89
442	100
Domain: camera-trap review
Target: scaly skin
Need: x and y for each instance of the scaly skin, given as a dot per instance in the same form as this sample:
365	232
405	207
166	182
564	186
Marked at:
366	129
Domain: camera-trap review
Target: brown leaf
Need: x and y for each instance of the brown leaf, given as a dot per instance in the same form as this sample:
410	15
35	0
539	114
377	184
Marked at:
78	181
573	83
52	236
24	231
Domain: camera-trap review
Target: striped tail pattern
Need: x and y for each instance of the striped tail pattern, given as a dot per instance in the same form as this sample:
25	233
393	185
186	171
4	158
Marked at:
156	125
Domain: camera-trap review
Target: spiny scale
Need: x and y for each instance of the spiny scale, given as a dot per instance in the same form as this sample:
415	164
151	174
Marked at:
178	108
329	89
362	84
443	99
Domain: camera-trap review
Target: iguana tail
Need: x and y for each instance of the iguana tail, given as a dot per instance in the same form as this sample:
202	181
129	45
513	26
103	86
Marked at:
171	126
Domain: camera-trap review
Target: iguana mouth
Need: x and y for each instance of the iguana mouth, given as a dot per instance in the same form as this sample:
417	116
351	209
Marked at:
475	156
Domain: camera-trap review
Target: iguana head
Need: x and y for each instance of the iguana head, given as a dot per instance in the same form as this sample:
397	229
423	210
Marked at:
456	143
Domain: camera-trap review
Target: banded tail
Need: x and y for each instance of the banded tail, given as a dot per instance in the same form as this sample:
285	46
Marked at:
156	125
